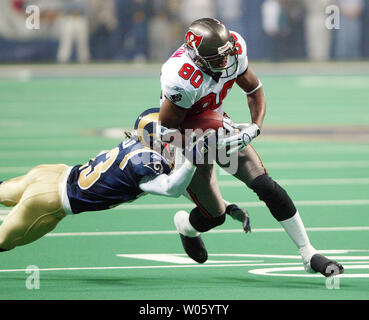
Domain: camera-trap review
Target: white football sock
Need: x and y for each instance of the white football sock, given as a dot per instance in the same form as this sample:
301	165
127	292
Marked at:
296	231
183	225
226	203
306	253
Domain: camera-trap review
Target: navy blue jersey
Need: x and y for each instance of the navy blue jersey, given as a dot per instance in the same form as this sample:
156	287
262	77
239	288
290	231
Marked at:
113	177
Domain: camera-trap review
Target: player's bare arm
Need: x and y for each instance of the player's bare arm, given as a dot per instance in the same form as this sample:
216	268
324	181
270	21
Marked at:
248	82
251	85
171	115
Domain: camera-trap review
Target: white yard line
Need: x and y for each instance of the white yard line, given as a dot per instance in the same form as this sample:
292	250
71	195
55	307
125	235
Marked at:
153	267
73	154
324	149
308	182
262	150
286	264
318	164
250	204
166	232
282	165
270	165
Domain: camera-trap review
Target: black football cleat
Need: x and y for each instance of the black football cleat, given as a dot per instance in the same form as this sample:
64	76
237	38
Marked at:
325	266
195	248
240	215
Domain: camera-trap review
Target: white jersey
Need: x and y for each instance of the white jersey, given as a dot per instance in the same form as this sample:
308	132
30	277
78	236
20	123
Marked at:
187	86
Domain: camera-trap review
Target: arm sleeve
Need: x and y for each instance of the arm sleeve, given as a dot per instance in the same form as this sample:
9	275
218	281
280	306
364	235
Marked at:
169	185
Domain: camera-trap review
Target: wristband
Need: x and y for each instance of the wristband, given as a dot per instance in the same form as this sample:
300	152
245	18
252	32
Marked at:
254	90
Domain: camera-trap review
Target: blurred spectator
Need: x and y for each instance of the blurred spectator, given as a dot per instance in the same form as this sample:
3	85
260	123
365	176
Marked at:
140	29
195	9
270	12
159	37
275	25
136	41
365	31
177	28
103	21
295	47
74	30
318	36
348	37
230	13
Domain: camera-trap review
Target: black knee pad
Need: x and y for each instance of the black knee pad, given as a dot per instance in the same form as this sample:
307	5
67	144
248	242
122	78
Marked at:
274	196
202	223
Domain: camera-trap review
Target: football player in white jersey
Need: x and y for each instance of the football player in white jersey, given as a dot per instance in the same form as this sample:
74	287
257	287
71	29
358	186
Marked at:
198	77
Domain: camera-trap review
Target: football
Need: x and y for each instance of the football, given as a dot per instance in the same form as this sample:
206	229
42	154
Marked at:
208	119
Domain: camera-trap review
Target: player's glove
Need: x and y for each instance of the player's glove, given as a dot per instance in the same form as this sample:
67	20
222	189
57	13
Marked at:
198	146
242	135
240	215
229	126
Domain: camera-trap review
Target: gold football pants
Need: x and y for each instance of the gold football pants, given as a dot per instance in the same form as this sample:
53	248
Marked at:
36	205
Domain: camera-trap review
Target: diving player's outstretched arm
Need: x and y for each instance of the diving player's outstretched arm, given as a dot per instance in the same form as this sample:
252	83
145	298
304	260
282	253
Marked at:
171	186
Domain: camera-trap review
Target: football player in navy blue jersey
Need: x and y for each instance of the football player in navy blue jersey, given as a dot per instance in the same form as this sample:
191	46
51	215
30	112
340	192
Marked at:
48	193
